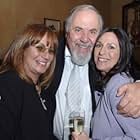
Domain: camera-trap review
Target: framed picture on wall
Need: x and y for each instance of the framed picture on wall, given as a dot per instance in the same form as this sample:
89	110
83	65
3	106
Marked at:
54	24
131	21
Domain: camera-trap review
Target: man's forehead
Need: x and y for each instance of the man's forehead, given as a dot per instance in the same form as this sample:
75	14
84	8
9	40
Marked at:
86	27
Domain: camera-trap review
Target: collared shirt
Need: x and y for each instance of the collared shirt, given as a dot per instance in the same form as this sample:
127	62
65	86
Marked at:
107	123
86	103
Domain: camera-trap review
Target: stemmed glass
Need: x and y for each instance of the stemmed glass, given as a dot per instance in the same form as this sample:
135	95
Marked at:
76	121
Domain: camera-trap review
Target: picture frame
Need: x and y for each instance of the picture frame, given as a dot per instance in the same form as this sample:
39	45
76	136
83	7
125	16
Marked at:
129	15
54	24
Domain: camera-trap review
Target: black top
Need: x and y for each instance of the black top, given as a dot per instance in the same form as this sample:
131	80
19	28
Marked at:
22	116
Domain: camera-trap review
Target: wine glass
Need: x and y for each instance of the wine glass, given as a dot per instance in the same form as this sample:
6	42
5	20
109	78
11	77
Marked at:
76	121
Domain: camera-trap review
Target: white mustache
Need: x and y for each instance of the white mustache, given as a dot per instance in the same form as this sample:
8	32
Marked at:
84	46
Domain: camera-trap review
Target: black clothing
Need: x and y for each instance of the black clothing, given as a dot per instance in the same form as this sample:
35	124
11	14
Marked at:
22	116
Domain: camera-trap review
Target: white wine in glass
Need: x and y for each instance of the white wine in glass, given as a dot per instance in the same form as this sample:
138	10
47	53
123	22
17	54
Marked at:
76	122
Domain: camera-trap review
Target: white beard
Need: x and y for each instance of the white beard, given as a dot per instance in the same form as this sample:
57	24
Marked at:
80	59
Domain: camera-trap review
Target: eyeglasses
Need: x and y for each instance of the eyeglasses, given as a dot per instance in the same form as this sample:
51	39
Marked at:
42	48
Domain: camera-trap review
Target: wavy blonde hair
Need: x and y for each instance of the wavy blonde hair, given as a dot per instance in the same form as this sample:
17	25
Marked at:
31	35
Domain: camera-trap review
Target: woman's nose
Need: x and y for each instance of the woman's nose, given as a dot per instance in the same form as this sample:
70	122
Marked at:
102	50
46	54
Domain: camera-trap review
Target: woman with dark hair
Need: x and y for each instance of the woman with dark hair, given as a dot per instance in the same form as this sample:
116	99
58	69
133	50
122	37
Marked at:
26	111
112	53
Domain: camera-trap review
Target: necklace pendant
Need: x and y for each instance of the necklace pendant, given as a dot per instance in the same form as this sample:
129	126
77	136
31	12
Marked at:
43	103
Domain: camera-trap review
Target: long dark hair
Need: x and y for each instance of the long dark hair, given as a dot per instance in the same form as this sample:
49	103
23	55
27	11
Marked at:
123	64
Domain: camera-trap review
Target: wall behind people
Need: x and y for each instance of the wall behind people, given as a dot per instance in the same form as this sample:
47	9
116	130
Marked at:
116	11
15	14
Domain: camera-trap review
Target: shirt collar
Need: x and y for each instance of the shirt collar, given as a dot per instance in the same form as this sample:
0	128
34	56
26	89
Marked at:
67	52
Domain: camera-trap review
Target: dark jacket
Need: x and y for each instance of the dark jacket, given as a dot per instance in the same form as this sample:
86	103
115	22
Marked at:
59	71
22	116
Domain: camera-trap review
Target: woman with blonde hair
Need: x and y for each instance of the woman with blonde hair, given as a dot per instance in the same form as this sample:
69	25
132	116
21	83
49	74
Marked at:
26	111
